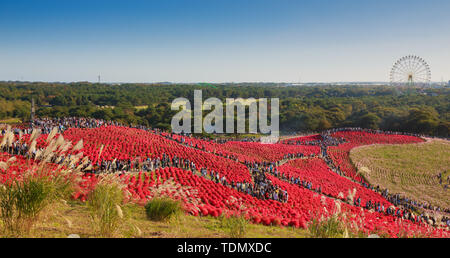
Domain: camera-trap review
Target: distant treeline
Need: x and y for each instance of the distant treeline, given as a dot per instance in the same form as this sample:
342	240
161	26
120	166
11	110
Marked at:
302	108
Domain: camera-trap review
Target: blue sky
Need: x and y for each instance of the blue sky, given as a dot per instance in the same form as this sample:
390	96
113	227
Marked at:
220	40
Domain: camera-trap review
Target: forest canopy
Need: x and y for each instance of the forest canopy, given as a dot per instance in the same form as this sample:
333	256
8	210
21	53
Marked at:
302	108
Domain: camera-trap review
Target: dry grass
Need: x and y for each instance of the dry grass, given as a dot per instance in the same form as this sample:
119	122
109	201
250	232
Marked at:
11	121
410	169
104	204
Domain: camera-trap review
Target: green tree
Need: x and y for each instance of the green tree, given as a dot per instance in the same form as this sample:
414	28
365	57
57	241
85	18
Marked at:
422	120
369	120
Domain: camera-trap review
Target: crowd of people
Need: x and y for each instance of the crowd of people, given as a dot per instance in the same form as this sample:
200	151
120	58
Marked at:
373	131
441	178
146	165
265	189
47	124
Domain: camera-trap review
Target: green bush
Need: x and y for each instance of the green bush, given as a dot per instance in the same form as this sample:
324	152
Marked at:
160	209
104	206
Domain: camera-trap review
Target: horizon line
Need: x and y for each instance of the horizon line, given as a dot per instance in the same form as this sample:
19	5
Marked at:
203	82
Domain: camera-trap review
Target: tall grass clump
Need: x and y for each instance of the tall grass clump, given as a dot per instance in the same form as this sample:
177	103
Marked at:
7	209
161	209
335	226
21	201
332	227
234	226
104	204
24	196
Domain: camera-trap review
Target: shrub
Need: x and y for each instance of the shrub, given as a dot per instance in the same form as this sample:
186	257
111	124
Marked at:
22	202
32	196
160	209
336	226
8	212
235	227
329	228
104	206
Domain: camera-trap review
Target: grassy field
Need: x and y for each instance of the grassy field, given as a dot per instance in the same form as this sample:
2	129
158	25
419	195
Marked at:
10	121
141	107
64	219
410	169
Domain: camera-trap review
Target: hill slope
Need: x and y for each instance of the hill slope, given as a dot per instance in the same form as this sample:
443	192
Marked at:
410	169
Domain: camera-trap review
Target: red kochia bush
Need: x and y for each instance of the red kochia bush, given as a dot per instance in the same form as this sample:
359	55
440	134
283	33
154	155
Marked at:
247	151
268	152
303	139
303	205
320	175
130	143
340	154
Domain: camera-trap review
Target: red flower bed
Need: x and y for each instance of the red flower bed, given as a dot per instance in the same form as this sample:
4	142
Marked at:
15	168
248	151
318	173
269	152
206	198
303	139
214	199
369	222
129	143
365	138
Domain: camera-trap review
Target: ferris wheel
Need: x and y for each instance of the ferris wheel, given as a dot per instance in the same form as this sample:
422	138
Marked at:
410	71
